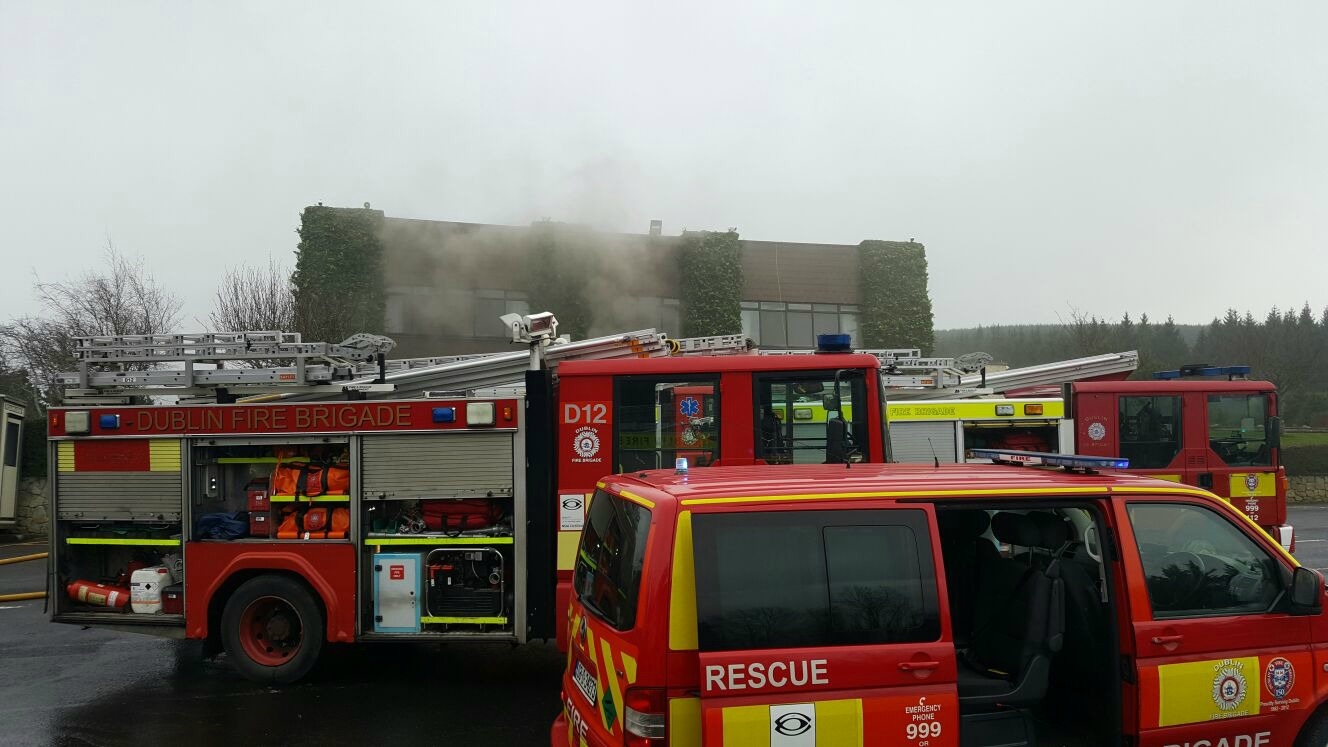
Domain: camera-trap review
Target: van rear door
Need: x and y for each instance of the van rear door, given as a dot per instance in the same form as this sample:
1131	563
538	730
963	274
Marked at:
823	627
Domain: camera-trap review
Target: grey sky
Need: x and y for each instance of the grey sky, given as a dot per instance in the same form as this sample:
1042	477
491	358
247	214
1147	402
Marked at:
1151	157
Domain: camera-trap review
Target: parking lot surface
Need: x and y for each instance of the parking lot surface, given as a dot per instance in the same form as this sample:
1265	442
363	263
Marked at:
63	685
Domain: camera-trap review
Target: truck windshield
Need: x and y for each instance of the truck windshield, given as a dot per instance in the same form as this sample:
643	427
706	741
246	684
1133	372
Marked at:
608	564
1238	429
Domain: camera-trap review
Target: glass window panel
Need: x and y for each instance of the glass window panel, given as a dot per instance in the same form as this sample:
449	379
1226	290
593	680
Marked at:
772	329
800	330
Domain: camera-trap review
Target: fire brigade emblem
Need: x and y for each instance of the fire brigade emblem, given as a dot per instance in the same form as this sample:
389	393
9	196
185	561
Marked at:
1251	482
1229	686
689	436
586	443
1279	677
1097	431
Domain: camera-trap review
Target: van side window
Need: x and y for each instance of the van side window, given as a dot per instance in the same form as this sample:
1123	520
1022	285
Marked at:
608	563
814	578
1197	563
1150	431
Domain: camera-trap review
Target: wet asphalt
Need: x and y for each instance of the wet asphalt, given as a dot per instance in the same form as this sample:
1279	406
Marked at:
63	685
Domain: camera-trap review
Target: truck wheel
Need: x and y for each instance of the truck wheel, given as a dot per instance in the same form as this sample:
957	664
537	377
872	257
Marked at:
272	629
1315	733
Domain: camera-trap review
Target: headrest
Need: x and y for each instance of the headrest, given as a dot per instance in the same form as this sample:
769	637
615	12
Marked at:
1015	529
1053	531
963	524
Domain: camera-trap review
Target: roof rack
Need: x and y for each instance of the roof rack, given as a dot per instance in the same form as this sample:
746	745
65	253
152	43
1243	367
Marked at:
1071	462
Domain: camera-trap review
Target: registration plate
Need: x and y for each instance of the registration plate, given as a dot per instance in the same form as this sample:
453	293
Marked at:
585	681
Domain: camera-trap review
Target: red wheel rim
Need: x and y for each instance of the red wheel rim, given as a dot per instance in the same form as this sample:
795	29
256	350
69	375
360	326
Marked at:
270	631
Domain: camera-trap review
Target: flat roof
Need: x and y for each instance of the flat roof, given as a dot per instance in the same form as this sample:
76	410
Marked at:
719	364
775	483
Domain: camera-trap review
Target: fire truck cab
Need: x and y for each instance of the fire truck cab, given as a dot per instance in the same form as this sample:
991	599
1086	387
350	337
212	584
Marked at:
965	604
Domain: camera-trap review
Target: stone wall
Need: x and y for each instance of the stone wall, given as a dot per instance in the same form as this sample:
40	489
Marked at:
1308	489
33	512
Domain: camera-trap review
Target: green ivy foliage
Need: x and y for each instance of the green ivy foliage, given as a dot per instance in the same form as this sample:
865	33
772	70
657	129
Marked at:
560	259
896	310
710	274
338	275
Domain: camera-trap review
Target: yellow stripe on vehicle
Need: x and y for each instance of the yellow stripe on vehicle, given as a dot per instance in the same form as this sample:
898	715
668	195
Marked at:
568	542
748	726
682	590
1202	691
975	411
684	725
839	723
611	675
894	494
1265	484
164	455
1168	478
65	456
634	498
629	668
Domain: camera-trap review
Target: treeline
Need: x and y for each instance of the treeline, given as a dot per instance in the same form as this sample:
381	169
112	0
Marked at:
1289	348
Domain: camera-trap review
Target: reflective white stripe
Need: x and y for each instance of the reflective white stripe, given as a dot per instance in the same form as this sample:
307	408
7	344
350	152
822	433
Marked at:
1284	535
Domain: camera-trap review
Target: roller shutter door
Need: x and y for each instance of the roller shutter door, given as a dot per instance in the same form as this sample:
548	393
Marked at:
443	465
910	442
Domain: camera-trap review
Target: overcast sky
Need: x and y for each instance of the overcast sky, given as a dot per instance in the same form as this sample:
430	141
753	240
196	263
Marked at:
1159	157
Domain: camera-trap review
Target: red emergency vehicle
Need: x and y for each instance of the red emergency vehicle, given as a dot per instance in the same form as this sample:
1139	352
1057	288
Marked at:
934	606
269	528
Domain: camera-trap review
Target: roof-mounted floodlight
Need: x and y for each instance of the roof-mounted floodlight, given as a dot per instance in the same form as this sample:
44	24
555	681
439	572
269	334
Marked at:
531	327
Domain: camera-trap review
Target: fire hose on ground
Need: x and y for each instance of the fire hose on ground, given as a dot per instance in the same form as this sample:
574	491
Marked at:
27	594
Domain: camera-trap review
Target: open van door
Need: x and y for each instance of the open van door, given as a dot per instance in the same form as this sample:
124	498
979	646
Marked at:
822	627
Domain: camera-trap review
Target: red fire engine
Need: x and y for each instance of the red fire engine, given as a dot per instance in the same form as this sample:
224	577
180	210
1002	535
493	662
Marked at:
440	499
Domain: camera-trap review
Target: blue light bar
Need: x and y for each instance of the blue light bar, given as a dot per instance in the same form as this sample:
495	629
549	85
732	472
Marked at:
108	422
834	343
1069	461
444	414
1203	371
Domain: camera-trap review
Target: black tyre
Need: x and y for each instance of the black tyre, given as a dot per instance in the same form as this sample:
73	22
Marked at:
272	629
1315	733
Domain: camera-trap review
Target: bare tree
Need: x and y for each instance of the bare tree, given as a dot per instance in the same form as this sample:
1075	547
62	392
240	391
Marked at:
255	299
121	298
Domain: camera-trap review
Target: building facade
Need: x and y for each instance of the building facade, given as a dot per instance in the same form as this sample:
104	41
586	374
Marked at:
447	283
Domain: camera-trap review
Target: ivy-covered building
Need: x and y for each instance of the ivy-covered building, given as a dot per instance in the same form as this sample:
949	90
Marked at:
445	284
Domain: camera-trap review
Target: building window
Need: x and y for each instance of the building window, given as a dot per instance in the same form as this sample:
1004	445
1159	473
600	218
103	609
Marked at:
492	304
775	324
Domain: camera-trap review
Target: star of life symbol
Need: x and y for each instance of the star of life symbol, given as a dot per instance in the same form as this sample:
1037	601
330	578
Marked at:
1097	431
689	407
1229	687
586	443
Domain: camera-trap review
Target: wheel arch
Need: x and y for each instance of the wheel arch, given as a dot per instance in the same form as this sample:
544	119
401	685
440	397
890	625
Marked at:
228	587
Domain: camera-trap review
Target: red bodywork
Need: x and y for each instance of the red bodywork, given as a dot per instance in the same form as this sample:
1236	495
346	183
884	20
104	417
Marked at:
888	679
1096	409
586	408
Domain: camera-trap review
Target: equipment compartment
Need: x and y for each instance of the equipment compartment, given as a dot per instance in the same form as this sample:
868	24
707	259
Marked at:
96	565
266	490
466	582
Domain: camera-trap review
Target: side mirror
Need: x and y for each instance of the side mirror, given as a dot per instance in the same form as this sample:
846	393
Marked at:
830	402
1306	591
1275	432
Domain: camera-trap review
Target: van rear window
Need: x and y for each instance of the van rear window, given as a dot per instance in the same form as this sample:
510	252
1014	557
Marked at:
608	563
814	578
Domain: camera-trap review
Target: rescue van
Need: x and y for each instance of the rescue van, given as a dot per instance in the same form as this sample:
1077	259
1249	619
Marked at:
926	606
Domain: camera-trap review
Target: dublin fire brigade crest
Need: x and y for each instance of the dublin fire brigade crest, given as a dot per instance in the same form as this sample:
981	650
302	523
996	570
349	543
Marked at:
1097	431
1251	482
1229	686
586	443
1279	677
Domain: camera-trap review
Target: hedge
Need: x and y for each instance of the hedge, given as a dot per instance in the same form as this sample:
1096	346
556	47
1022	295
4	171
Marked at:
896	310
1305	460
710	274
338	275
